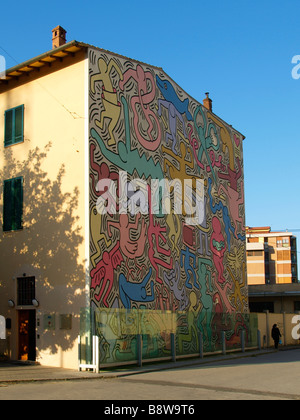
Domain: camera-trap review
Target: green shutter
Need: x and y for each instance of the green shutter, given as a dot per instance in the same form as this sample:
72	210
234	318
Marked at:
17	192
19	124
13	204
7	206
14	126
8	137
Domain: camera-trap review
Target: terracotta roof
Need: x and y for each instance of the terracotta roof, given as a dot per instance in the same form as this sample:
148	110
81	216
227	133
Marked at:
46	59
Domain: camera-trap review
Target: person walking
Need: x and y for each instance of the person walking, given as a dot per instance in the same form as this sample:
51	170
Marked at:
276	335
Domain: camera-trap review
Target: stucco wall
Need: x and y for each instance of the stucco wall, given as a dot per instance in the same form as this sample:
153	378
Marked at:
51	244
288	325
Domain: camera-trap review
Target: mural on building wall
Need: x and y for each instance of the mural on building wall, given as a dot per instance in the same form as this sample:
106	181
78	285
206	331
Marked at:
143	124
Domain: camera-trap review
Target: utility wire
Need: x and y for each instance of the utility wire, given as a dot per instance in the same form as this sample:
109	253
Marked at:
7	53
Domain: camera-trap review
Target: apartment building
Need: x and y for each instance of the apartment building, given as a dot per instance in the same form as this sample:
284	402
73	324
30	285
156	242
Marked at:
272	269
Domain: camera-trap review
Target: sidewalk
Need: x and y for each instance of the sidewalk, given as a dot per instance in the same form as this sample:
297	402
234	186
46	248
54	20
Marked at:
16	372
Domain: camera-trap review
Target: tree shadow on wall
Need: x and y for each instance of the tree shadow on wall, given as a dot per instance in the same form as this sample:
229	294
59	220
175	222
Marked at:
48	243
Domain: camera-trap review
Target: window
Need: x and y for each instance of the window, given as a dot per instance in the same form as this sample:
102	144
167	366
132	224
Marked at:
285	243
14	124
26	290
255	253
261	306
13	204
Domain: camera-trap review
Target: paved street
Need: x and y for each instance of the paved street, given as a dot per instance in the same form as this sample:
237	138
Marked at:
267	376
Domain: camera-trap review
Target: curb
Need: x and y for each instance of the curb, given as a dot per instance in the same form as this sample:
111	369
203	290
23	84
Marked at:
81	376
195	363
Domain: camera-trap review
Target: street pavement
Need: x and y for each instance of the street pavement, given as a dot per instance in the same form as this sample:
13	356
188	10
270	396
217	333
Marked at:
266	375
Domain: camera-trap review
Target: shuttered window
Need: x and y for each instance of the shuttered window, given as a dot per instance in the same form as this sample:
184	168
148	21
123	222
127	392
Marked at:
14	126
13	204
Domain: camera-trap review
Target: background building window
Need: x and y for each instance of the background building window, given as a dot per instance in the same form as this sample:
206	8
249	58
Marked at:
255	253
261	306
13	204
297	306
14	126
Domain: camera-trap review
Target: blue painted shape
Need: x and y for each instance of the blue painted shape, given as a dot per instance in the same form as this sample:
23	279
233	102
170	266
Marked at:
135	291
170	95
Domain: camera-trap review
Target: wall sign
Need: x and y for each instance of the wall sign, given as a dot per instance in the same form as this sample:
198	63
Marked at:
2	328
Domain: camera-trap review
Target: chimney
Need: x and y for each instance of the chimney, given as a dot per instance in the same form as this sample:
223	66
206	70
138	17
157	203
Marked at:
58	37
207	102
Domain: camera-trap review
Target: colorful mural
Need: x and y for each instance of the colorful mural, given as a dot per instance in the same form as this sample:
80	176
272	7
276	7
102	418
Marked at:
144	126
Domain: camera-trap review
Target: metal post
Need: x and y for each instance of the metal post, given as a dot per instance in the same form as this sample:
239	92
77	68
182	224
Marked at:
267	328
140	349
223	342
201	345
265	341
259	340
79	352
96	353
93	352
173	347
284	329
87	351
243	340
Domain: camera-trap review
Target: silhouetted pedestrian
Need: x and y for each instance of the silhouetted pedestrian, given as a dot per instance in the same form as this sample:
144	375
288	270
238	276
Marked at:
276	335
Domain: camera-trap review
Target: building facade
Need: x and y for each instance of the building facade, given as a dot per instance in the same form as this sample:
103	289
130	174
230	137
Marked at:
120	193
272	270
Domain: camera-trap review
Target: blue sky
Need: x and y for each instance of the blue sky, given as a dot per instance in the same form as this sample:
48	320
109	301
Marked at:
238	50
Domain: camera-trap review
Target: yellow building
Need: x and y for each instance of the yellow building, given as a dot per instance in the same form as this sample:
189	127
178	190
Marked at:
43	244
74	121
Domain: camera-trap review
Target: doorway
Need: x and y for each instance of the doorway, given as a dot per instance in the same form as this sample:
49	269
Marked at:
27	343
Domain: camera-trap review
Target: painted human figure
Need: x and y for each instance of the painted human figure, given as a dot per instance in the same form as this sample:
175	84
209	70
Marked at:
172	280
191	317
228	227
203	232
232	176
130	248
98	234
128	159
103	172
207	141
156	235
195	147
218	247
112	106
235	201
231	190
189	270
142	101
173	116
103	274
206	289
